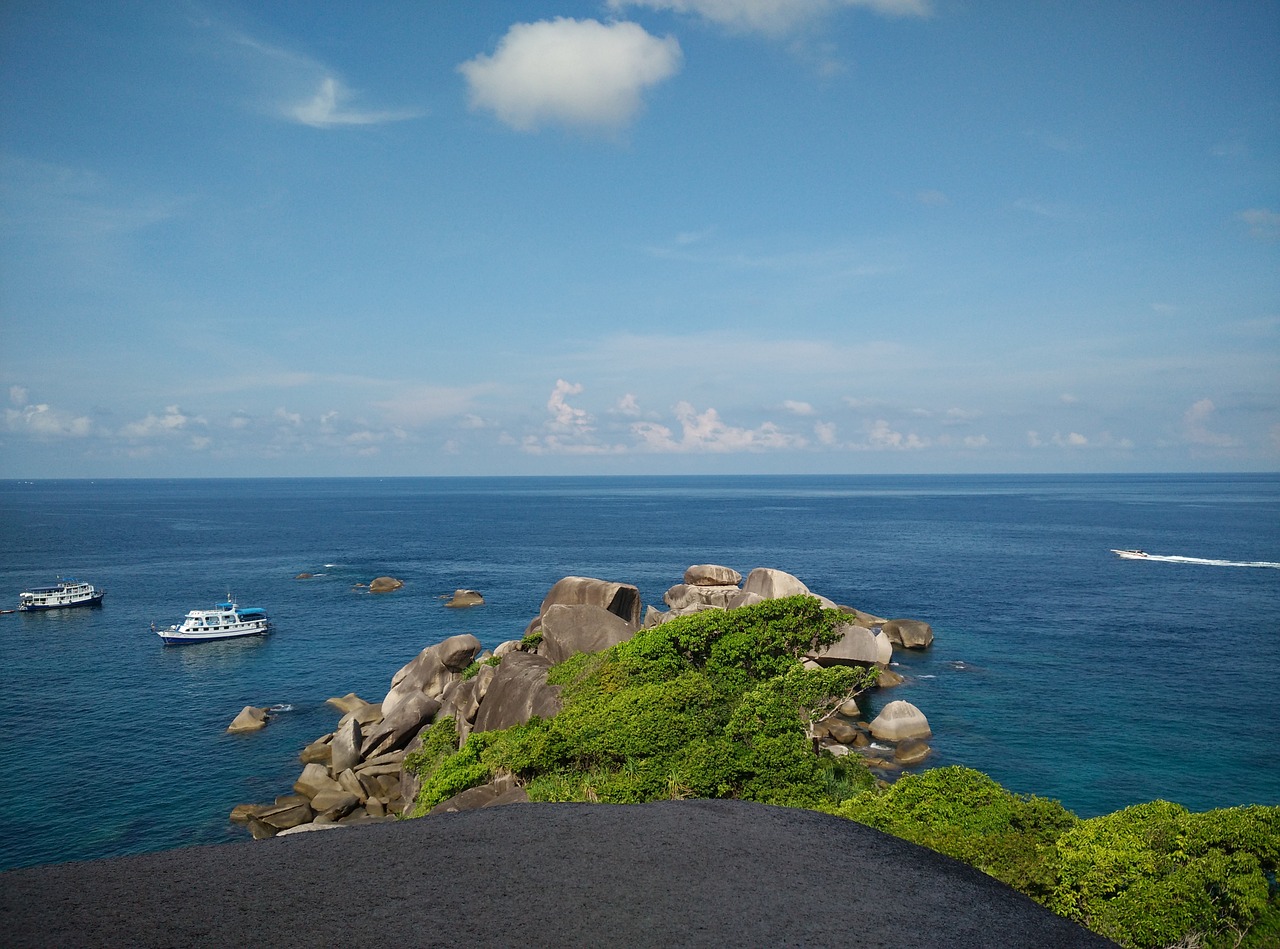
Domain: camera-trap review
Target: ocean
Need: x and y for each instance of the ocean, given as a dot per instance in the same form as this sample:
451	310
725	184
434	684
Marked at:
1057	667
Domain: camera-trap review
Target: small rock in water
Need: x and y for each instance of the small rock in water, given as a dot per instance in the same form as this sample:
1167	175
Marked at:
250	719
463	598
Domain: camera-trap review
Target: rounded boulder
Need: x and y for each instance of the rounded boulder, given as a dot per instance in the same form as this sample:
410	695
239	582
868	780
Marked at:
899	720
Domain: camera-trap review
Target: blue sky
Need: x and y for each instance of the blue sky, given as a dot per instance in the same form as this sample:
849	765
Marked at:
638	236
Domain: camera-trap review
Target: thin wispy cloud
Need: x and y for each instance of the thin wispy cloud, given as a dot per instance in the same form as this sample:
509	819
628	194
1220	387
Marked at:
578	73
331	106
774	17
305	91
1263	223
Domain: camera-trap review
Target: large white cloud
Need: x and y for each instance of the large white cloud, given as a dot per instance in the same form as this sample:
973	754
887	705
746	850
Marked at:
580	73
773	16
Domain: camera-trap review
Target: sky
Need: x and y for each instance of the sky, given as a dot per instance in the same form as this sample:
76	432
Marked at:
638	237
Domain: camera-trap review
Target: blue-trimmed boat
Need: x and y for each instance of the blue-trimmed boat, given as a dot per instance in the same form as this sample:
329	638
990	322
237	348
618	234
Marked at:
225	621
68	591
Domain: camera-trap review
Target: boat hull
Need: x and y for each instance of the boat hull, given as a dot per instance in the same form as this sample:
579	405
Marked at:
176	637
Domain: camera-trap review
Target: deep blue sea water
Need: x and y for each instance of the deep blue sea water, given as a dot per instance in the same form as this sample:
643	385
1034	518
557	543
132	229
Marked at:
1058	668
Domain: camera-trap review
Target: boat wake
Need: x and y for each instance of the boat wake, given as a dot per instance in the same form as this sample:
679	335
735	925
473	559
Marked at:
1205	562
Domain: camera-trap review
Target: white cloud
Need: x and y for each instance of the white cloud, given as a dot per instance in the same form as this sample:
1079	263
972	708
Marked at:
799	408
706	432
42	421
825	433
1070	440
773	17
564	417
628	405
882	436
1195	422
172	422
18	395
581	73
328	108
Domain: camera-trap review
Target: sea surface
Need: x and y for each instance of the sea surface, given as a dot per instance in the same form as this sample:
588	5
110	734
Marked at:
1058	668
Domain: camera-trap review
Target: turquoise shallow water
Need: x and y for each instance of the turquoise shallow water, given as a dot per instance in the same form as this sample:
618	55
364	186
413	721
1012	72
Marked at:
1058	668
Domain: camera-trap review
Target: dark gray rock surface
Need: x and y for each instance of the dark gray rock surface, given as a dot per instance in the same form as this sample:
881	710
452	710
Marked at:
678	873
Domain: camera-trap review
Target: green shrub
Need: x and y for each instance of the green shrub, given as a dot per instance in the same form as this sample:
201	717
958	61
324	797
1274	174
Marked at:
965	814
1152	874
715	704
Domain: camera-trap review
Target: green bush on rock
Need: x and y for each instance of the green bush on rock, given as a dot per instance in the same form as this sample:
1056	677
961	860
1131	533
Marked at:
711	705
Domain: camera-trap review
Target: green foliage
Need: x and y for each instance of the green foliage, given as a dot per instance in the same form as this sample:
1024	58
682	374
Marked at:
711	705
472	670
443	769
965	814
1151	874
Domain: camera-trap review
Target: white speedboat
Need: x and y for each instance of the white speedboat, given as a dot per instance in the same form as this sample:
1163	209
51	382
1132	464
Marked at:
225	621
1131	554
68	591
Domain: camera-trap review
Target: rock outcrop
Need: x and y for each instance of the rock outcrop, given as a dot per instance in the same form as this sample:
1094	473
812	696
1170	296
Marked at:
465	598
355	773
385	585
909	633
621	599
583	627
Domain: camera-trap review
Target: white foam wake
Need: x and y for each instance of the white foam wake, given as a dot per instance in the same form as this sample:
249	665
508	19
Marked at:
1213	563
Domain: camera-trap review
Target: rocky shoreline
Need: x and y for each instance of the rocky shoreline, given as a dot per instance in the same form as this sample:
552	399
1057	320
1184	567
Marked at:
355	775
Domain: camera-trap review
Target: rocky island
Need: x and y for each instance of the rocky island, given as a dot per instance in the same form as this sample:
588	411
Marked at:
356	773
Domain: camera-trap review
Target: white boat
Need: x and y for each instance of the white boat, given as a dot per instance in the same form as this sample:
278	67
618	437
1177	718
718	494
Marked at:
68	591
1131	554
225	621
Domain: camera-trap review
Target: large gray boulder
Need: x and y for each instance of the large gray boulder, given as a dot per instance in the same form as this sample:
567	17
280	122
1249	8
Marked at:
347	740
884	649
431	670
396	729
567	630
909	633
743	598
314	779
621	599
773	584
899	720
519	691
712	575
384	584
690	597
857	646
501	791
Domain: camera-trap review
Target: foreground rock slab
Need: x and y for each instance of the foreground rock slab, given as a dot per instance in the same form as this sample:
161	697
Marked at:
676	873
